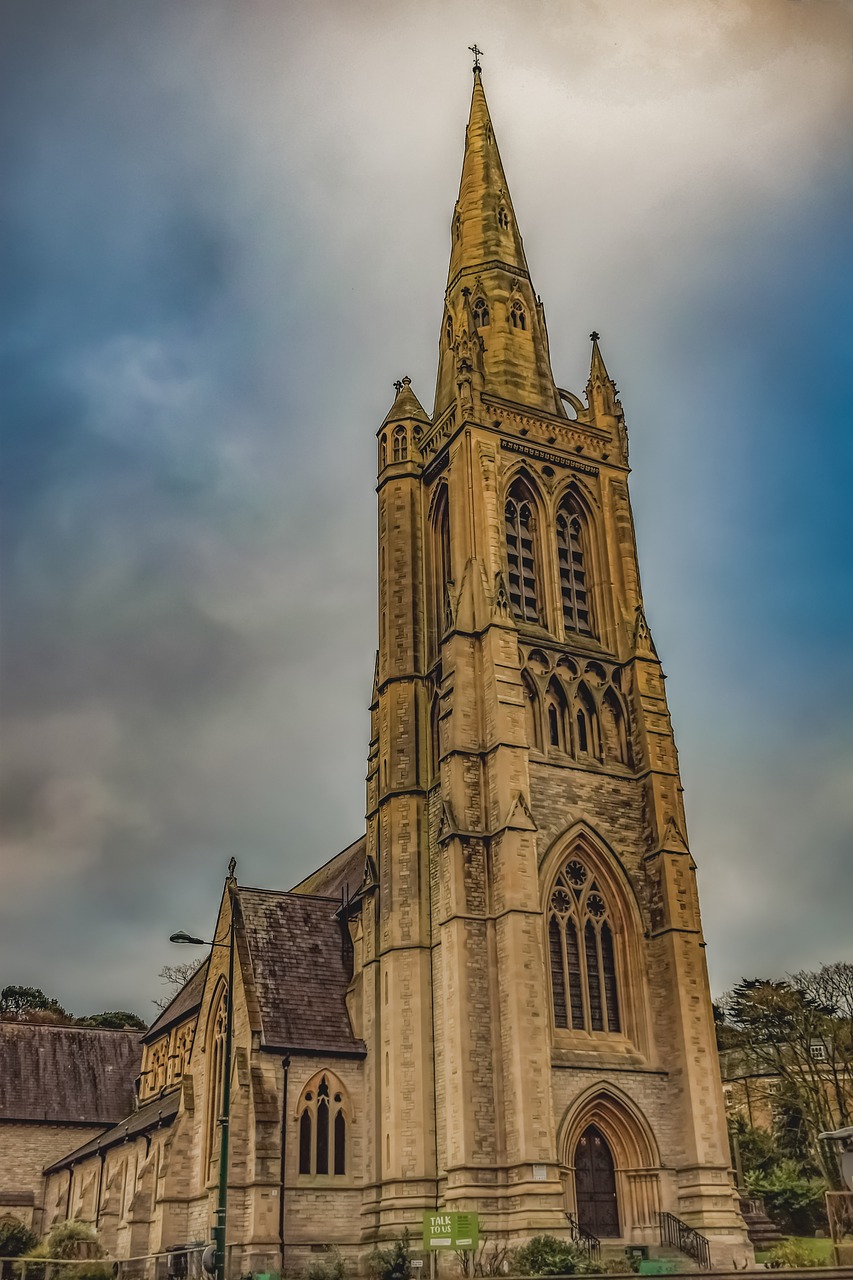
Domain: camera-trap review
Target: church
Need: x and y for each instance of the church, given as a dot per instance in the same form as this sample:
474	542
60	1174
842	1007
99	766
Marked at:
496	1000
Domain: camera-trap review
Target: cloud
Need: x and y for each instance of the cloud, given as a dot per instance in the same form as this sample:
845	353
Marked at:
231	235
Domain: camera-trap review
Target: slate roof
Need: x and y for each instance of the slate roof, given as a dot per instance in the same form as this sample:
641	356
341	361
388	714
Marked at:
346	869
187	1001
300	971
66	1075
150	1116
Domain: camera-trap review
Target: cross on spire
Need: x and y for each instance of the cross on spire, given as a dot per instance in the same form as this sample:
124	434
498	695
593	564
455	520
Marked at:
478	53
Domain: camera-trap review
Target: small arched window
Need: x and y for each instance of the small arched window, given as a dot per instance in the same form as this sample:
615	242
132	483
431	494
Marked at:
503	218
383	452
448	330
557	712
518	316
581	947
587	739
480	311
457	227
323	1128
522	553
434	740
401	444
573	580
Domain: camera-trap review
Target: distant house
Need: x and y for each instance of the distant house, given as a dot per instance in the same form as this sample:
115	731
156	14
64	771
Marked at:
59	1086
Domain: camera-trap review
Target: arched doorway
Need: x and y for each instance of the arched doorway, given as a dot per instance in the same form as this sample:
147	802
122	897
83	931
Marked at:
595	1184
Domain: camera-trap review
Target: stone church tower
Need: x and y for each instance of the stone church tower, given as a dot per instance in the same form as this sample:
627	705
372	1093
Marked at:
529	968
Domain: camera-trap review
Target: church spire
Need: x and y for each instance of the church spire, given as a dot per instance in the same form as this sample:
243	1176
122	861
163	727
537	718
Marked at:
600	389
487	257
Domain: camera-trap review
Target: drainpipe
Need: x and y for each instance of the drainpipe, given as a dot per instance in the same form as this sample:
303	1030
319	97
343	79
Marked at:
285	1065
103	1156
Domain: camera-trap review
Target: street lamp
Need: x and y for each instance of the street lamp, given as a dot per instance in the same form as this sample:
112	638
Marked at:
225	1114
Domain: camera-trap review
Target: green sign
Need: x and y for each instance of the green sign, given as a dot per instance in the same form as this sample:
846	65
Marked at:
451	1231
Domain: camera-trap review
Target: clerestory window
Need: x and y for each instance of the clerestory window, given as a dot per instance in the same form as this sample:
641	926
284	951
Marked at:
584	988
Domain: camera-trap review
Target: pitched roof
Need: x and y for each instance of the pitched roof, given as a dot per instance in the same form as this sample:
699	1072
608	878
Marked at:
346	869
71	1075
299	969
150	1116
181	1005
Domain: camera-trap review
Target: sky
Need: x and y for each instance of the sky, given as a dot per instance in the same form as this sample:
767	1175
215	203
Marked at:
224	233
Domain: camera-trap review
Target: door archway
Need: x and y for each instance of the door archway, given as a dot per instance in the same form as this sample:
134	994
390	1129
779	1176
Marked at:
595	1184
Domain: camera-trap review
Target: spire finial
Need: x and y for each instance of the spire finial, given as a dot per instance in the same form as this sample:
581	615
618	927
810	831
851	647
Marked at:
478	53
594	336
232	868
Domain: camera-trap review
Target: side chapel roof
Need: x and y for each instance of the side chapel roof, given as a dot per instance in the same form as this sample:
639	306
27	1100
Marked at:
151	1115
66	1075
299	970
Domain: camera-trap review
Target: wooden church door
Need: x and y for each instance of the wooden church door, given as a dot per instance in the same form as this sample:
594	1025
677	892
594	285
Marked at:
595	1184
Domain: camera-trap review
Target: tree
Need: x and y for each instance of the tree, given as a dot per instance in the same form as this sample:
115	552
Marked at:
175	976
30	1004
801	1031
117	1020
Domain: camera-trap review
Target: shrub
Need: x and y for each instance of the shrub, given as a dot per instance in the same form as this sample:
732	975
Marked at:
391	1264
70	1240
793	1200
15	1239
791	1253
328	1267
548	1256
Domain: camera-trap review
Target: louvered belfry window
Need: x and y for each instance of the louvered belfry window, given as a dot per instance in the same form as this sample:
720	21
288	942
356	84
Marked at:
582	953
573	583
521	552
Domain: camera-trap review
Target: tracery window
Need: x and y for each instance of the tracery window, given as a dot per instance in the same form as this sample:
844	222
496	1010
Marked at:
531	712
448	330
401	445
215	1052
573	581
480	311
323	1130
557	714
582	954
517	315
522	553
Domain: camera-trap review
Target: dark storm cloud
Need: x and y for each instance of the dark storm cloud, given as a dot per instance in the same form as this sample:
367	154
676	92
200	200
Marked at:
224	234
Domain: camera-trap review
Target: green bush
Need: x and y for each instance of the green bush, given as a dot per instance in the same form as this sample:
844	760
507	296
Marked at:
792	1253
391	1264
793	1200
548	1256
16	1239
330	1266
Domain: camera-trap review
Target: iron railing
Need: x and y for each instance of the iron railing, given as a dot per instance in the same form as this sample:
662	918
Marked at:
687	1240
585	1240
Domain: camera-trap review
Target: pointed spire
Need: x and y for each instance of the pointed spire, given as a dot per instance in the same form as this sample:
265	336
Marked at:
406	403
600	389
487	257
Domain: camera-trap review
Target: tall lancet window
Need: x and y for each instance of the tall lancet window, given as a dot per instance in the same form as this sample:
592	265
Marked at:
522	553
573	578
582	952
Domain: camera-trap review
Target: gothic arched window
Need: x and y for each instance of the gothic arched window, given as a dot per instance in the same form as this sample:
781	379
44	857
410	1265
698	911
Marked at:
383	452
323	1128
401	445
434	740
503	218
517	315
581	947
480	311
522	553
557	714
215	1057
448	330
571	559
441	568
587	739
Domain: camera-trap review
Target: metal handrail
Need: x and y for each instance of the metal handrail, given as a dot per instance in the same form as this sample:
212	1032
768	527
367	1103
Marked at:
678	1235
585	1240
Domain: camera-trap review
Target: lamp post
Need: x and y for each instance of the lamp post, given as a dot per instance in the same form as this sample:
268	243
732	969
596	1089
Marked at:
225	1113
